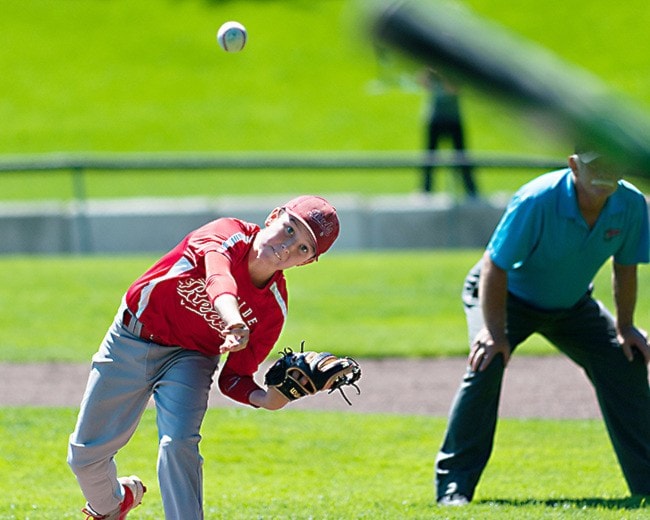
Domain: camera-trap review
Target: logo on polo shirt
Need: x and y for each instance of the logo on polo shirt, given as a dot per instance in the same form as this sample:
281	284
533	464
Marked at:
612	233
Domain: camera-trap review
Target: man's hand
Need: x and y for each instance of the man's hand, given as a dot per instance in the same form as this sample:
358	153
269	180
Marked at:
632	338
484	349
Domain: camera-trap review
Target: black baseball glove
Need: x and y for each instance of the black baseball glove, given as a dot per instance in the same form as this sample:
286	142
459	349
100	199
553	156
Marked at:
297	374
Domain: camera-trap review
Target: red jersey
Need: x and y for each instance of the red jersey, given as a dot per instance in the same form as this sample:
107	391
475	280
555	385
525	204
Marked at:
174	302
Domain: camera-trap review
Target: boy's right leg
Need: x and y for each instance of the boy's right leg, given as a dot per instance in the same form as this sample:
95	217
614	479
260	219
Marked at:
116	395
181	396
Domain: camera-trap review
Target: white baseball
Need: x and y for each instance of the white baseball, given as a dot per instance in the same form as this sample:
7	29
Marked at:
232	36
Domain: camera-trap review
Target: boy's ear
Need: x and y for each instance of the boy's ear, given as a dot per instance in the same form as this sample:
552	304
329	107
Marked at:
272	216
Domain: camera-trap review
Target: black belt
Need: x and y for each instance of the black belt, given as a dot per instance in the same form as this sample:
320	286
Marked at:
136	327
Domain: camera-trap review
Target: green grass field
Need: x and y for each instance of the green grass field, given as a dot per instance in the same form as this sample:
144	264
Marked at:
98	76
300	465
359	465
372	304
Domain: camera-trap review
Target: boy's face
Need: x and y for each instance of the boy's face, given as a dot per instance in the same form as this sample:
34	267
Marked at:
285	243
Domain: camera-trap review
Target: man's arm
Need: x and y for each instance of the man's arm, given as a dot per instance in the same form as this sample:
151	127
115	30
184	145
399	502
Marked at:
493	295
624	287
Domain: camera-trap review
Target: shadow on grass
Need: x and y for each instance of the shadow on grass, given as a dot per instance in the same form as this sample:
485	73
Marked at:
635	502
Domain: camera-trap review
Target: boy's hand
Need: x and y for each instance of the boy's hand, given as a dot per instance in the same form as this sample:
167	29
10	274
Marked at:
236	338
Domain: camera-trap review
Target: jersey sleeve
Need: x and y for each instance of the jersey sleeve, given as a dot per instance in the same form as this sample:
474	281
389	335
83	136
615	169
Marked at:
218	276
228	239
236	386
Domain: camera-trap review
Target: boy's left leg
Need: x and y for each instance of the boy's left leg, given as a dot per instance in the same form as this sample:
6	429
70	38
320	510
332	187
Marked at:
181	397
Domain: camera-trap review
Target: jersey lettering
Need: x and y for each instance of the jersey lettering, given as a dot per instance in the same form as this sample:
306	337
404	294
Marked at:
195	299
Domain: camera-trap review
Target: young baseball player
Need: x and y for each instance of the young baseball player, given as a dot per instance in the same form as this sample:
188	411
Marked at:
535	277
221	290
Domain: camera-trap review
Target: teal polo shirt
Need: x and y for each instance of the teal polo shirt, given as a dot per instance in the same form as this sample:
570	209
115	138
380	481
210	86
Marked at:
548	250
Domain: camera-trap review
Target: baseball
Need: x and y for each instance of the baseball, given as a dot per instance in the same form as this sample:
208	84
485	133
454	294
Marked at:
232	36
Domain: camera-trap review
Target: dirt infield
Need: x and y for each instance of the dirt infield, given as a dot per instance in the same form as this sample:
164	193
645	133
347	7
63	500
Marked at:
534	387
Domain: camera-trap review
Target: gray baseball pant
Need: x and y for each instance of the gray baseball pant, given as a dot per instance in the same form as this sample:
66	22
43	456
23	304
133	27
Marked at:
125	373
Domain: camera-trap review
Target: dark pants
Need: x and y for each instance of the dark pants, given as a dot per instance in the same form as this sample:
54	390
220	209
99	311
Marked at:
436	131
586	334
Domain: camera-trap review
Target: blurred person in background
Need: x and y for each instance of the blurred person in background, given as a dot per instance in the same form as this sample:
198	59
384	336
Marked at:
444	122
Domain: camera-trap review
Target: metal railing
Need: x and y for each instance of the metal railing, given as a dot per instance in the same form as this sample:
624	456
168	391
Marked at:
268	161
78	163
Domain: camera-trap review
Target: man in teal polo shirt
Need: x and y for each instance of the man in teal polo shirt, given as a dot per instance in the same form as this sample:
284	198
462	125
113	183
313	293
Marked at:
535	277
